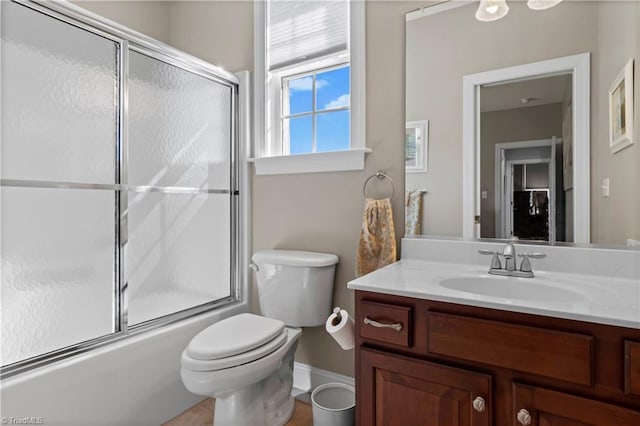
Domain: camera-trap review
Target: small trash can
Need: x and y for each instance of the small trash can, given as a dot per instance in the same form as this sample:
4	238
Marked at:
334	404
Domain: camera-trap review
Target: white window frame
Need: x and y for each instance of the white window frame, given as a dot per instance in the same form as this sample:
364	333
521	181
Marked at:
268	156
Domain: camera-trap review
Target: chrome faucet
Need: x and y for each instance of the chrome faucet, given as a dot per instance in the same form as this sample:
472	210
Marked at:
509	254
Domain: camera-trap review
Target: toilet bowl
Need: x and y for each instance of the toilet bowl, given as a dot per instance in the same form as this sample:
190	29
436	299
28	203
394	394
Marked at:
246	361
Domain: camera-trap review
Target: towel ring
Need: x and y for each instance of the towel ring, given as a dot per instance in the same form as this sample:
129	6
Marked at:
380	175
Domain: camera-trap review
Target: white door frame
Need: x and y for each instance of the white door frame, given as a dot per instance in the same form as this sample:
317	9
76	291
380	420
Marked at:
578	66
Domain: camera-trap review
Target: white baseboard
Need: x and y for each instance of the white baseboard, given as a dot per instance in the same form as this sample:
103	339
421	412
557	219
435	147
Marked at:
306	378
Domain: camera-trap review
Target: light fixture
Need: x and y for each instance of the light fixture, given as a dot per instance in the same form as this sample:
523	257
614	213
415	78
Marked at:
492	10
542	4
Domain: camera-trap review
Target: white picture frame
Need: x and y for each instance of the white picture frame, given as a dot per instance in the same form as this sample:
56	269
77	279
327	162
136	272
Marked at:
621	109
416	146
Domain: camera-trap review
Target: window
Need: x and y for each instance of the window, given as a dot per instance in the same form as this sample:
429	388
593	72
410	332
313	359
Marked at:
315	111
309	88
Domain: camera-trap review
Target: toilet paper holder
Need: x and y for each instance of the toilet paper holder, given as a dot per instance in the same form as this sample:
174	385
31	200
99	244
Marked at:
336	320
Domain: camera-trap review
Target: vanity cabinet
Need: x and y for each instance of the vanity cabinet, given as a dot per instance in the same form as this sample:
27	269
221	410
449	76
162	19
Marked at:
421	362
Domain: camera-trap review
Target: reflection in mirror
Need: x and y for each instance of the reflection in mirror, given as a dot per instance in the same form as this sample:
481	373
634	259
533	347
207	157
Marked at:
523	127
538	169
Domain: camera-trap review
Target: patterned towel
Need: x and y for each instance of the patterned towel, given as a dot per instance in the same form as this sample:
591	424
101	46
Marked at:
413	212
377	246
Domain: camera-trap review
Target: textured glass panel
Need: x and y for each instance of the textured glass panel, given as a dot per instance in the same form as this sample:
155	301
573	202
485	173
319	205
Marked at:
57	269
180	127
59	100
300	134
332	131
178	254
332	89
300	95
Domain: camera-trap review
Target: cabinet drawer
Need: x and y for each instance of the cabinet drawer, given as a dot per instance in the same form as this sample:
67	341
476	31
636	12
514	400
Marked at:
631	368
550	353
376	321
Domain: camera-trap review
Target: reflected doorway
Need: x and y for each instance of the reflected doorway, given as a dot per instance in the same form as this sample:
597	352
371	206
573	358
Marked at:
528	196
530	201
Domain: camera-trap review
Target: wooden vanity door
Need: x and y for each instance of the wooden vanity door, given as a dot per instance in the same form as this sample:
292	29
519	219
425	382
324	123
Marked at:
550	408
394	390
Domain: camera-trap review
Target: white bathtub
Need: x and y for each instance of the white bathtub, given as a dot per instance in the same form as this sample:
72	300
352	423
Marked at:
135	381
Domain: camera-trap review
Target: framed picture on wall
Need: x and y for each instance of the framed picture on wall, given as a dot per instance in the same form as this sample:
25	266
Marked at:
621	109
416	146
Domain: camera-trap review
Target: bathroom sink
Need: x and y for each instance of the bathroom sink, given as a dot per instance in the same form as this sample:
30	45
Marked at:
512	288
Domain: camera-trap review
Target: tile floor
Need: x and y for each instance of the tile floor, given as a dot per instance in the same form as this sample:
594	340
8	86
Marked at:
202	415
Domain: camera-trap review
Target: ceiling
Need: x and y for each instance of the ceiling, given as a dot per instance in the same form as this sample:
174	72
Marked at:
541	91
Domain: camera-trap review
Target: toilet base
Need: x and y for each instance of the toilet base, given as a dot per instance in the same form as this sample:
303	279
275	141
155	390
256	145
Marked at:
265	403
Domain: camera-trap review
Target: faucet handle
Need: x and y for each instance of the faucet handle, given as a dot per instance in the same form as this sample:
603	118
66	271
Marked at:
488	252
525	266
495	261
533	255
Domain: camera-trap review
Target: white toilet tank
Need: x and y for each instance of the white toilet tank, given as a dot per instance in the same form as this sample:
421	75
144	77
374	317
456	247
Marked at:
295	287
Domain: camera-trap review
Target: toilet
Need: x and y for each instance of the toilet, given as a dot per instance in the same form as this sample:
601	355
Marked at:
246	361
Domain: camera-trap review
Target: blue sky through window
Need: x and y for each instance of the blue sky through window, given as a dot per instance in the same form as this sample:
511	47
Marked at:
332	128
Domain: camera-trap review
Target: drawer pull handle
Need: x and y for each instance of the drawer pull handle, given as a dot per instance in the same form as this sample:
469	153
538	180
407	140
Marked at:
524	418
479	404
396	326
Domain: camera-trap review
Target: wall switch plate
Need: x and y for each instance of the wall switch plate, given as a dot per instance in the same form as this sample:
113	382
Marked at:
605	187
484	195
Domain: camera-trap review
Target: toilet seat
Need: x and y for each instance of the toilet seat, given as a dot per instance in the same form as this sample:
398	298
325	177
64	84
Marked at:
234	341
234	335
235	360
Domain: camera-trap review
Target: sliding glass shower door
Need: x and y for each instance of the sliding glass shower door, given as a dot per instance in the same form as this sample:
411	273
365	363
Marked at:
118	184
180	234
59	127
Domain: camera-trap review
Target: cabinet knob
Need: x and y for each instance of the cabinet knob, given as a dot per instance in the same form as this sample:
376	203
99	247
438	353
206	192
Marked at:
524	418
479	404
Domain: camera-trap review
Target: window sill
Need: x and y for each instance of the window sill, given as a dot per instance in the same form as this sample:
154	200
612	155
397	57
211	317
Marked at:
334	161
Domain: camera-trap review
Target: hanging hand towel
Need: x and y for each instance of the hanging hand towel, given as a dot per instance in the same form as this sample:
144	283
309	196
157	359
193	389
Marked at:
413	212
377	246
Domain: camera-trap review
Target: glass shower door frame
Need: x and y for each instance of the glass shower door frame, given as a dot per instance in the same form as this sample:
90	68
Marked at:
127	40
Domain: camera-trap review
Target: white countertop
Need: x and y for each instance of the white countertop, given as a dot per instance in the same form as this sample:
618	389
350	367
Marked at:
598	299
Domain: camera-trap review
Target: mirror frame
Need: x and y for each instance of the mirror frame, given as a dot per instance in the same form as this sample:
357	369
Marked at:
577	65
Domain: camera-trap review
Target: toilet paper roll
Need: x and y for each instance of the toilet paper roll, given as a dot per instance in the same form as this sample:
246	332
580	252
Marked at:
342	328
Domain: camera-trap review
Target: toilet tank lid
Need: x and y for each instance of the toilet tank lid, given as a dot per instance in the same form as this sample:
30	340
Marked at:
294	258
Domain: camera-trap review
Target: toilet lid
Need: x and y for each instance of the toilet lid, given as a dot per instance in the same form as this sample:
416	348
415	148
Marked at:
234	335
233	361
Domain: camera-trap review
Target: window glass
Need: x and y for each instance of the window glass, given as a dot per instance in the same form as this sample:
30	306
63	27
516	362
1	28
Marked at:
332	89
315	112
332	131
301	134
300	95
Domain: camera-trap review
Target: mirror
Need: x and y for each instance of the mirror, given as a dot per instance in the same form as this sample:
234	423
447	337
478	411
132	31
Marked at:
523	119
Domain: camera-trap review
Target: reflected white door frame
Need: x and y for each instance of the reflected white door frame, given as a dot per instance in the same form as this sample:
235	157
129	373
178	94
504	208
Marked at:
579	67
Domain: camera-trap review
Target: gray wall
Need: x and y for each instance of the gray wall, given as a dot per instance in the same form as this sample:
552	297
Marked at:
438	58
152	18
614	219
